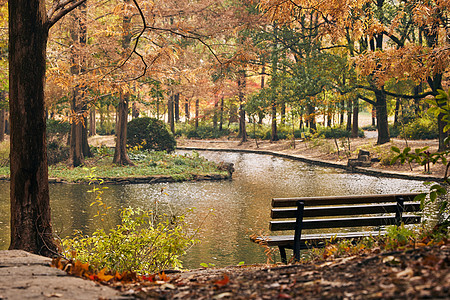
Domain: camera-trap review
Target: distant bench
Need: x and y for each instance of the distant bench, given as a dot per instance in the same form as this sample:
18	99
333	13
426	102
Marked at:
374	211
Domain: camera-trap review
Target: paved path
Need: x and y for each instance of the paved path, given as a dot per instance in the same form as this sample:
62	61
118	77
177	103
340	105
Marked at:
28	276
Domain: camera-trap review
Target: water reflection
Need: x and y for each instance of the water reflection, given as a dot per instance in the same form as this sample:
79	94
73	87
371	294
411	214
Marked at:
240	206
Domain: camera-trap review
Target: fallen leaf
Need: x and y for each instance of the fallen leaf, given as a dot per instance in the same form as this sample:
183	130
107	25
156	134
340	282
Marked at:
408	272
223	281
223	295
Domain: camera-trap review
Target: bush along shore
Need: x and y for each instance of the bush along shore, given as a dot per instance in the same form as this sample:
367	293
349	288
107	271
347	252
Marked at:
150	167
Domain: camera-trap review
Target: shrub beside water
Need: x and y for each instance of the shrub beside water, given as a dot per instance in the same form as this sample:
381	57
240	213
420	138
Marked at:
142	243
150	134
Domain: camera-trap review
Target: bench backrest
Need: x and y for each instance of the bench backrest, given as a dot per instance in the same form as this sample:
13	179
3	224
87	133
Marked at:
335	211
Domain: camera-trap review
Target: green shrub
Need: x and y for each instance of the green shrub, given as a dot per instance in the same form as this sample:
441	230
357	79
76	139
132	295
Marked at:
57	152
370	127
106	128
142	243
57	127
421	129
394	131
151	134
204	131
336	132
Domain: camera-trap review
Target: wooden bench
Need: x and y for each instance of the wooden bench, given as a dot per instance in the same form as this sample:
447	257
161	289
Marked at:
372	213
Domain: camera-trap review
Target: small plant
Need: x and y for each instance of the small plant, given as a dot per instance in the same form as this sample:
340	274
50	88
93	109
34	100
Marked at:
398	237
142	243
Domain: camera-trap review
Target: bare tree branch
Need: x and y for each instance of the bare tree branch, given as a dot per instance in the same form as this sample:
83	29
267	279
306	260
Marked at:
60	9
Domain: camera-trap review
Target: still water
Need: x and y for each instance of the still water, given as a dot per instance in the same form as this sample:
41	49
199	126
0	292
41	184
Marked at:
240	206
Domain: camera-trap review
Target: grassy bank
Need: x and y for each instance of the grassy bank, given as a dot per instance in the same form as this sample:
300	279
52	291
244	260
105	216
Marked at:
178	167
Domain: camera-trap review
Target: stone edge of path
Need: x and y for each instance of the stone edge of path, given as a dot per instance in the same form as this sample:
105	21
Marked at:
28	276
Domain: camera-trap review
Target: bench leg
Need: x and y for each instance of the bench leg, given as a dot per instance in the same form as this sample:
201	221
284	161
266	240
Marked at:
283	254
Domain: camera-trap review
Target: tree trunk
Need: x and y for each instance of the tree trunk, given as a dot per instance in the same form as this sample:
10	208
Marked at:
241	87
349	114
84	139
120	153
382	118
311	117
355	118
170	113
31	228
221	114
76	134
177	107
79	147
274	135
92	122
197	104
374	115
186	111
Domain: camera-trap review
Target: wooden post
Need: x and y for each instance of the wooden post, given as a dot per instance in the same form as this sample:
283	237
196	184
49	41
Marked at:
298	230
399	210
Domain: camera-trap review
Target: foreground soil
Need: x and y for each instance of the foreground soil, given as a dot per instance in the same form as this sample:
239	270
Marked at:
421	273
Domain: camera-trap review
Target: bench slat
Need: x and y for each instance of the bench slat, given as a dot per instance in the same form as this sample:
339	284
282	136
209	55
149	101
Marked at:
288	240
342	222
337	200
343	210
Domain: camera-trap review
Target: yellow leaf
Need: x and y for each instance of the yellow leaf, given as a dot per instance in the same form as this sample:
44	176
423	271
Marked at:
103	277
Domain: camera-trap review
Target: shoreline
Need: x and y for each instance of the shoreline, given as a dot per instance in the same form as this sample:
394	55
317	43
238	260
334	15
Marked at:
320	162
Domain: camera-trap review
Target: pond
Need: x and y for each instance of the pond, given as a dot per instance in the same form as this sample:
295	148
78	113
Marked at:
240	206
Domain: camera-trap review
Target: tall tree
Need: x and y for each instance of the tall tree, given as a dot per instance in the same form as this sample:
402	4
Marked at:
78	136
29	25
120	153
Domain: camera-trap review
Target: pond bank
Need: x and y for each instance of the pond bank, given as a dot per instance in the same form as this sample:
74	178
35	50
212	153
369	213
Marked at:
315	155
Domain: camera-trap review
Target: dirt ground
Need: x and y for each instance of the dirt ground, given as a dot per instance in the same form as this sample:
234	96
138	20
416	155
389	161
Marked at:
421	273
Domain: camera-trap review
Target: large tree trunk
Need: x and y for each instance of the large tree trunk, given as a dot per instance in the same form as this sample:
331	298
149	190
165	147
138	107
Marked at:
31	228
120	153
382	117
